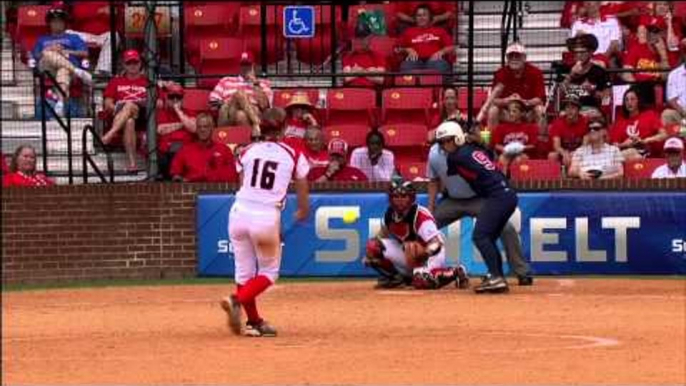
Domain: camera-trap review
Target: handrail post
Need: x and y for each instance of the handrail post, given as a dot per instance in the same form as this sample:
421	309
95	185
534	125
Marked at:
44	124
263	35
470	64
334	46
84	164
113	37
182	44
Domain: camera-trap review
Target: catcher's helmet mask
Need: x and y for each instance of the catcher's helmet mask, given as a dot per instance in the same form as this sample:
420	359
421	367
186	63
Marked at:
401	196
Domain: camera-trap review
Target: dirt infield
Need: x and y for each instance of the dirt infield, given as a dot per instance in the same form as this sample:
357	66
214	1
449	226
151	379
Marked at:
561	331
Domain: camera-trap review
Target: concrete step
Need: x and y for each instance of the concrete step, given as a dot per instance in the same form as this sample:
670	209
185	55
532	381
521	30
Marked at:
15	133
492	22
530	37
534	54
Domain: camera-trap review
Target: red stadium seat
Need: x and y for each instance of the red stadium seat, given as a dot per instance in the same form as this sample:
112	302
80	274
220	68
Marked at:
412	170
536	170
250	21
642	169
404	135
480	97
30	26
351	106
219	56
406	105
318	49
195	101
232	135
283	96
208	21
355	135
405	80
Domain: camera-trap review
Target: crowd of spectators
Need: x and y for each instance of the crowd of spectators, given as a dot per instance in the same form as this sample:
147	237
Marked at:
585	136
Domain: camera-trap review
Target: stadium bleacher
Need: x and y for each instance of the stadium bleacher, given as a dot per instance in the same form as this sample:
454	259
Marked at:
217	33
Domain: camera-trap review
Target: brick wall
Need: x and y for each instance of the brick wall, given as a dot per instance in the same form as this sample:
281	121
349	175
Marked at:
103	231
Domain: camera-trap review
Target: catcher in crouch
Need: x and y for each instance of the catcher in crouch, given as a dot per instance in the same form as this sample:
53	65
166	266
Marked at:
409	250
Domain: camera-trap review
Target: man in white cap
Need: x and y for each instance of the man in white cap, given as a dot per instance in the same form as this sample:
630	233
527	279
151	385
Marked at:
518	79
675	166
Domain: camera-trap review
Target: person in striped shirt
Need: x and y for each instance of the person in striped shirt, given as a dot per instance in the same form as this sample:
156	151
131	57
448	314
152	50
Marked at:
240	99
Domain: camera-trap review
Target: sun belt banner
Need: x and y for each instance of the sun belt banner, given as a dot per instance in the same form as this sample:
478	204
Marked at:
561	233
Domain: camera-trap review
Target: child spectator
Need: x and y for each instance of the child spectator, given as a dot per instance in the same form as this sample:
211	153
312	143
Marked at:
175	128
586	79
596	159
374	160
425	45
517	80
22	170
516	130
61	53
125	99
675	166
337	169
637	131
240	99
204	160
605	29
299	115
567	131
363	60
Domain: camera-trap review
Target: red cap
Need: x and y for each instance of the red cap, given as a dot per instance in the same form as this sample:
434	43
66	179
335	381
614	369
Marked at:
131	56
247	58
174	89
338	146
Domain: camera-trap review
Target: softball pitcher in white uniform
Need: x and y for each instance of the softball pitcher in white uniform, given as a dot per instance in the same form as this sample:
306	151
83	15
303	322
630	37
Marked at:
266	170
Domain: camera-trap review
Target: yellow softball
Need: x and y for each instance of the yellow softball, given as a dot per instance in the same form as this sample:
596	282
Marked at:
349	217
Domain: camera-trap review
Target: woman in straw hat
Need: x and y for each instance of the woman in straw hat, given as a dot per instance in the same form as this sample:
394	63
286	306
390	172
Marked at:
300	115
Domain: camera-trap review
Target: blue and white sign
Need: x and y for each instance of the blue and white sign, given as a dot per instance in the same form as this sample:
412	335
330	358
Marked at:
561	233
298	22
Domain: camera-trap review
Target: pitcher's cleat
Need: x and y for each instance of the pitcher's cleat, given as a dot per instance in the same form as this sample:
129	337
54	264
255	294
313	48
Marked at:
261	329
233	313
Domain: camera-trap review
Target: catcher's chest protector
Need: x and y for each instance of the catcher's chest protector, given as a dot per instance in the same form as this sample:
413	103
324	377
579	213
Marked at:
404	229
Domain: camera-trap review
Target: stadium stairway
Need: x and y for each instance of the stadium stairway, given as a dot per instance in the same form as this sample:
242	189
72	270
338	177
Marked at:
18	126
540	33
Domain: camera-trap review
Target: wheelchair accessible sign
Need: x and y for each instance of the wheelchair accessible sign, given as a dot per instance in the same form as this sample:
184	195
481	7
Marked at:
298	22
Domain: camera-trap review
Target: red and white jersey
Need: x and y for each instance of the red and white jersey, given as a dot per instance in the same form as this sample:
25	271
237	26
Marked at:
417	225
268	168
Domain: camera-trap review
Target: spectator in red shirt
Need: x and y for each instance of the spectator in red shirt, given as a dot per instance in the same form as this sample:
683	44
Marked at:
175	128
92	24
311	146
638	131
425	45
125	99
22	170
567	131
517	80
337	169
649	52
299	115
662	21
363	60
516	130
443	13
204	160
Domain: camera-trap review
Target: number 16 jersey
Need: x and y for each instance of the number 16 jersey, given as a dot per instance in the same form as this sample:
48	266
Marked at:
268	168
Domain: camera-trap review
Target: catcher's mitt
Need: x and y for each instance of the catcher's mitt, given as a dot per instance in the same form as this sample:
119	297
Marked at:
415	254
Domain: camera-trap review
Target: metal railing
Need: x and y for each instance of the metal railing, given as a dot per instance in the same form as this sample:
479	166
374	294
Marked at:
63	122
87	159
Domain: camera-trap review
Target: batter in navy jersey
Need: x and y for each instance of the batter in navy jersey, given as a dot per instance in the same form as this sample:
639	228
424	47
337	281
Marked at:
473	164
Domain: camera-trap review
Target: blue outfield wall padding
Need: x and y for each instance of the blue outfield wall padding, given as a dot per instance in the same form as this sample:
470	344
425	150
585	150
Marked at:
561	233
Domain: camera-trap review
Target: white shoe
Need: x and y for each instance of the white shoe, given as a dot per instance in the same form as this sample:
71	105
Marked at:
84	75
59	108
